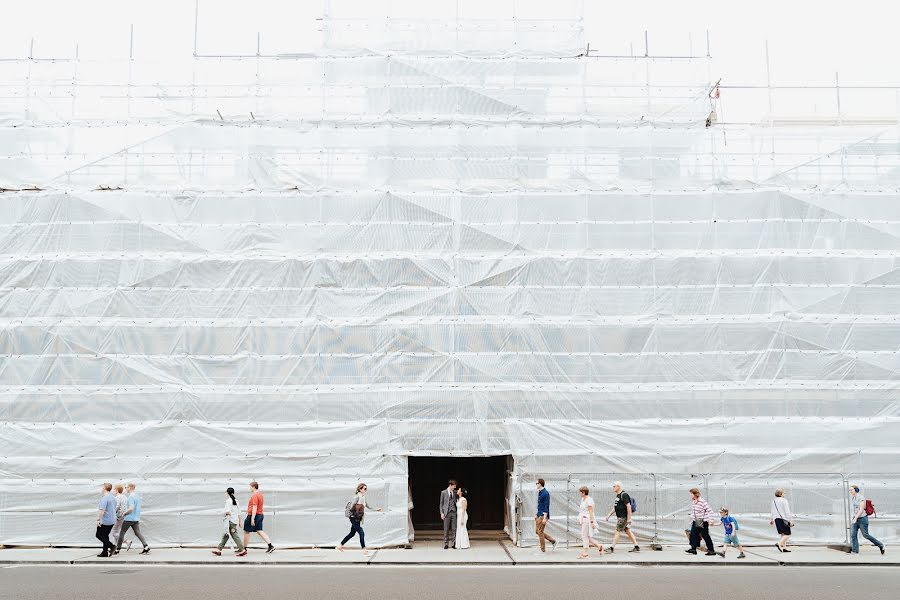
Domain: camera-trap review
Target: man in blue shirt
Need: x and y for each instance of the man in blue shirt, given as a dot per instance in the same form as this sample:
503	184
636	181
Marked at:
543	515
132	520
106	518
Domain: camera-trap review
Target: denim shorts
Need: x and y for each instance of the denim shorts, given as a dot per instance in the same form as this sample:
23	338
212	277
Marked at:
732	540
258	524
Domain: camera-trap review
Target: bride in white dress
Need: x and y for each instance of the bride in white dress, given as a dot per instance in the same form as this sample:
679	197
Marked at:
462	519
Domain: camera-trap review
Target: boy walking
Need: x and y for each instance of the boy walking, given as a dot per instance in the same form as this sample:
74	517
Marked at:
731	538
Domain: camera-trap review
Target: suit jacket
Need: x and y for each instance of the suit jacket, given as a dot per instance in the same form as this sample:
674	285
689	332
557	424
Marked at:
448	502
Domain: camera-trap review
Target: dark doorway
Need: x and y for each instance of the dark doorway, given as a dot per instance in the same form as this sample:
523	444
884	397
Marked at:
484	477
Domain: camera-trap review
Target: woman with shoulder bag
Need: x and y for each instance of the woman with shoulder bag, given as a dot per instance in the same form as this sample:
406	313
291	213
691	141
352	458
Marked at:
701	516
231	517
360	503
782	519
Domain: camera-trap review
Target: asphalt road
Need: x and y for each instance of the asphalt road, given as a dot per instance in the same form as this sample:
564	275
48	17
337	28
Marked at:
70	582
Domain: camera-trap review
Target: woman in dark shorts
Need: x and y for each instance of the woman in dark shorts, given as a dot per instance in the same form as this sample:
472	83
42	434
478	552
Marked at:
782	518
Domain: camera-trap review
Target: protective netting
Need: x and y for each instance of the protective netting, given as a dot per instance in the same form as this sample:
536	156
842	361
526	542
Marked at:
303	270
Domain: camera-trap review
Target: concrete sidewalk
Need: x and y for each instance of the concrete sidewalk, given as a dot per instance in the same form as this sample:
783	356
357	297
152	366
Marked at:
482	552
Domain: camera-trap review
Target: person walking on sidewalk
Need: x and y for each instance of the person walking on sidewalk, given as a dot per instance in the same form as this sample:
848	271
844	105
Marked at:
132	520
231	518
447	507
359	503
253	522
588	523
106	518
731	527
622	508
782	518
543	516
702	515
860	521
121	507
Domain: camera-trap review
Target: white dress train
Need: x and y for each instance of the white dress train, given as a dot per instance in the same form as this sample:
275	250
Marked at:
462	520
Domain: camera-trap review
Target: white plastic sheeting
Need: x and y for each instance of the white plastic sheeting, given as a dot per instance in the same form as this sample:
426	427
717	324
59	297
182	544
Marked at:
436	252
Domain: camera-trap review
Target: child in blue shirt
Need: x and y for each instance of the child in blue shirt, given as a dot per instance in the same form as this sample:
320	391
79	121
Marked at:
731	528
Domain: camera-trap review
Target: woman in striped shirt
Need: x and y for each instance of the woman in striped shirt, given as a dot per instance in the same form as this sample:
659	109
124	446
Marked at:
702	516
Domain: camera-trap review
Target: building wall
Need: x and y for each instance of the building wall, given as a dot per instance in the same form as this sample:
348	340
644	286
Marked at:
433	254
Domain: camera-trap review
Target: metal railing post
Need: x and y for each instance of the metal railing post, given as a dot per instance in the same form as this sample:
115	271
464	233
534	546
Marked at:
655	545
568	507
519	513
846	502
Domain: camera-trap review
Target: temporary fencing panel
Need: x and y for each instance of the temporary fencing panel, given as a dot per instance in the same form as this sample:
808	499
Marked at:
639	486
817	501
561	516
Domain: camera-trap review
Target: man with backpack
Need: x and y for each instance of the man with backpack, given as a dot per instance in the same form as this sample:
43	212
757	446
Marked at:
860	511
624	508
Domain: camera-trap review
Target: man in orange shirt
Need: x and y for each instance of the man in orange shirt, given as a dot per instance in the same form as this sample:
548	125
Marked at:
254	519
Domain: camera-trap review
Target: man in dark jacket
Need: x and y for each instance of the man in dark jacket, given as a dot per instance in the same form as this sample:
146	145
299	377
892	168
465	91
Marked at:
543	515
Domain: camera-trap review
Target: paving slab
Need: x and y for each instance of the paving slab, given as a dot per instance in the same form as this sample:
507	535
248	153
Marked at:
45	555
482	552
256	556
669	555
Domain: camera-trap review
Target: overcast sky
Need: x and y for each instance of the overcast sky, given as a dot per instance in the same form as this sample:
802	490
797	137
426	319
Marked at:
808	40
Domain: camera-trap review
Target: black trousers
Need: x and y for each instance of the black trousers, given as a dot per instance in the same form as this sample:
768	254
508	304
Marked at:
697	532
103	532
355	527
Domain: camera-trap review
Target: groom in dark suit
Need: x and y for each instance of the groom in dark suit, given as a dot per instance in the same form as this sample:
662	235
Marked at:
448	514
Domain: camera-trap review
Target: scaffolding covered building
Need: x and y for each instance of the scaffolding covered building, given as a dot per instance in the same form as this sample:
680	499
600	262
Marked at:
436	238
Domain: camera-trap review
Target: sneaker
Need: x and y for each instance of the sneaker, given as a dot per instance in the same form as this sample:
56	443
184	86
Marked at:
635	549
742	555
785	550
611	549
241	553
217	552
270	549
713	553
146	550
553	547
691	551
445	545
103	555
722	554
779	548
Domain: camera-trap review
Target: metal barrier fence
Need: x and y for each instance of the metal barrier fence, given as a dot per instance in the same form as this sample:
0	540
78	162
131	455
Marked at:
819	502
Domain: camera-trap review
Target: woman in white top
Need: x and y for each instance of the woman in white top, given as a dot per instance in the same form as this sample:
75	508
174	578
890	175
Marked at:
588	524
121	507
462	519
782	519
231	517
360	504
